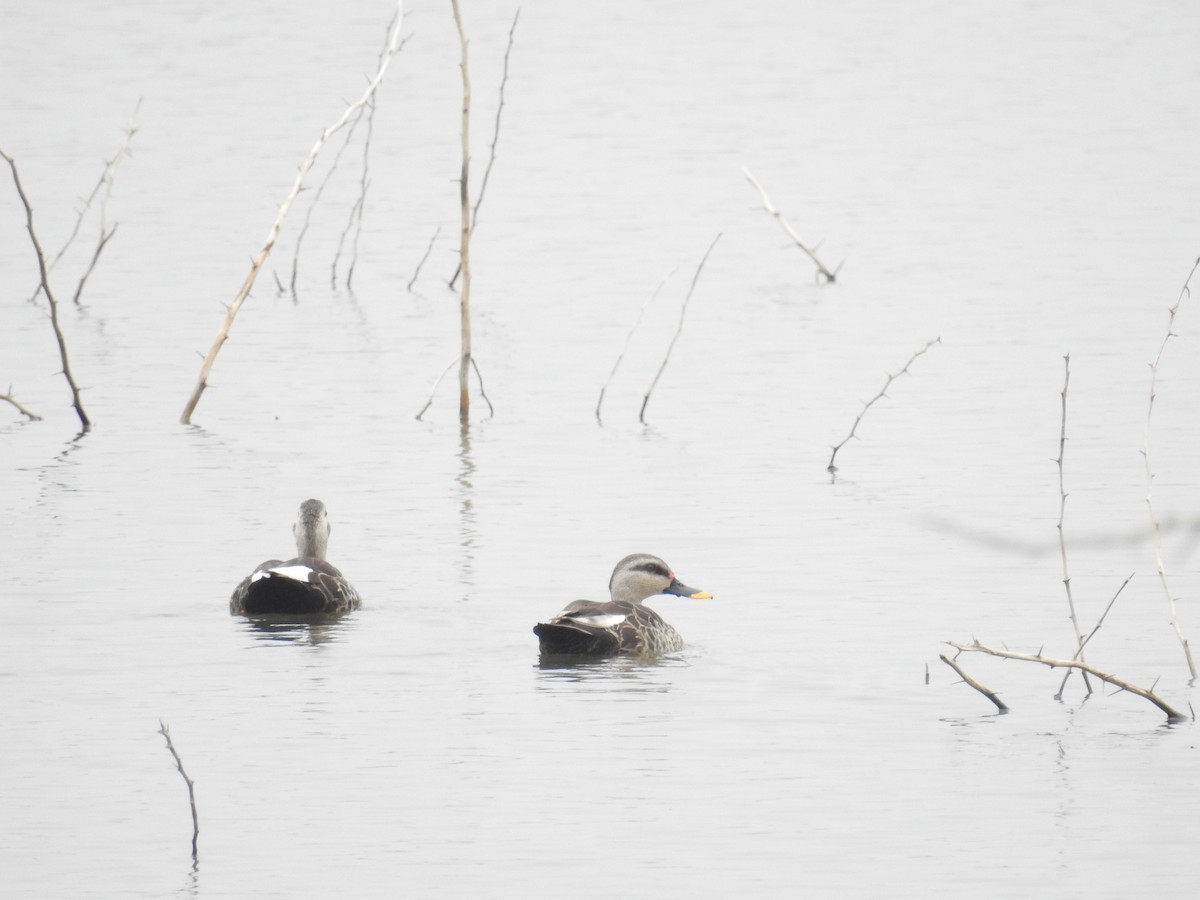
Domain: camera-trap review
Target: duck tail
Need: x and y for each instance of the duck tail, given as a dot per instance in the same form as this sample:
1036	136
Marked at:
571	640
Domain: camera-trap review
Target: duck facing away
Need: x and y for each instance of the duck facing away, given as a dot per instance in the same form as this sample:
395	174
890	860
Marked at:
622	625
304	585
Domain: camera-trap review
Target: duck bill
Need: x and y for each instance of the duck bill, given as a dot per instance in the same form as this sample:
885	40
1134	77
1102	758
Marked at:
679	589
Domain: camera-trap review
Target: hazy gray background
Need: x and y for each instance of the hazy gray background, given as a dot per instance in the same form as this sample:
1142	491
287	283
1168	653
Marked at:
1020	180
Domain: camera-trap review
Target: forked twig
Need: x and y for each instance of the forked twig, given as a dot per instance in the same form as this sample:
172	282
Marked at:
259	260
628	338
433	390
678	329
43	270
831	468
487	171
1173	714
105	182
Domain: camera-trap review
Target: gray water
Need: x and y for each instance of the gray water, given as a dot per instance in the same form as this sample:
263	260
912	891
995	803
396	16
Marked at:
1018	180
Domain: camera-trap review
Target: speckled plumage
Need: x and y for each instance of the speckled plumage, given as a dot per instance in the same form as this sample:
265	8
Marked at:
622	625
304	585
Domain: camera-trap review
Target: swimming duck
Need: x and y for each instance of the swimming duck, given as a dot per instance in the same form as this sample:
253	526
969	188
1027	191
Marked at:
622	625
306	584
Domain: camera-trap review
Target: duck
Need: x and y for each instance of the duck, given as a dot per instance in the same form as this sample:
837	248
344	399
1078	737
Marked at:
623	625
303	585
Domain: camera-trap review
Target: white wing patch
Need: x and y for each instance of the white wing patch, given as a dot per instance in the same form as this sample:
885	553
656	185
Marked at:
296	573
601	620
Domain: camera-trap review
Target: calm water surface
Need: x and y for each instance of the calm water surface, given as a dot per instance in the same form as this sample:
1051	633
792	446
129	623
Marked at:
1020	182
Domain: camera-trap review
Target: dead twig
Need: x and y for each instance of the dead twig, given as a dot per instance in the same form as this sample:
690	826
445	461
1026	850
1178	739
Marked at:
628	338
831	468
1001	706
487	171
43	270
1158	556
1062	543
823	271
259	260
105	183
433	390
191	785
467	226
428	250
678	329
9	398
1172	714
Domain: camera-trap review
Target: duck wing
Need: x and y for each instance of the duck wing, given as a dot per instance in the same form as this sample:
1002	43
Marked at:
298	586
604	629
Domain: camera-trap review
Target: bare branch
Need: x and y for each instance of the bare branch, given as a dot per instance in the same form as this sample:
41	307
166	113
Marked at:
105	183
1001	706
433	390
1173	714
272	236
43	269
191	785
104	239
1158	556
1062	543
628	338
831	468
9	398
678	329
464	252
428	250
822	270
487	171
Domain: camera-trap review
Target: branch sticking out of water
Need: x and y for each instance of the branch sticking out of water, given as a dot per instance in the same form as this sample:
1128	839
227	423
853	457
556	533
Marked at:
487	171
191	785
438	380
1154	529
104	183
429	249
1173	715
823	271
1001	706
1062	543
831	468
43	270
9	398
259	260
678	329
628	338
466	228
